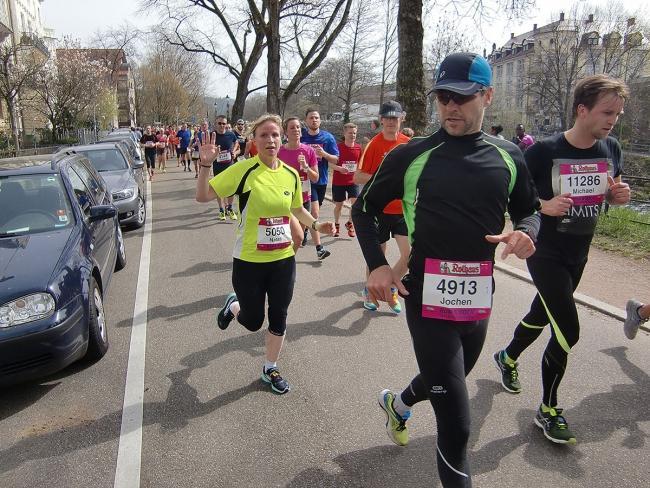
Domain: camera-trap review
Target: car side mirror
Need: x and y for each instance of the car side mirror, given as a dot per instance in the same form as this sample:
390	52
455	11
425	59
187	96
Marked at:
139	164
102	212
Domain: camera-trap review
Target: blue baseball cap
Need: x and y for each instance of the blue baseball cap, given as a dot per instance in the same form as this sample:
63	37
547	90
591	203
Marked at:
464	73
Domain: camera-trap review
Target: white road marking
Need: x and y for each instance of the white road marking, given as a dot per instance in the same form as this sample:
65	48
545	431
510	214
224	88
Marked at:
129	454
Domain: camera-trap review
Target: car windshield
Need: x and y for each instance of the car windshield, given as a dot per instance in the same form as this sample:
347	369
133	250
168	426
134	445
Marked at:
33	203
106	159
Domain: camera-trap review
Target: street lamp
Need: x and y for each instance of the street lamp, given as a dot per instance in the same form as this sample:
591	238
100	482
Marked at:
227	107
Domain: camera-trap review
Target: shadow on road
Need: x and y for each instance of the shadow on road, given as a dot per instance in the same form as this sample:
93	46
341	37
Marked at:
179	311
205	267
595	419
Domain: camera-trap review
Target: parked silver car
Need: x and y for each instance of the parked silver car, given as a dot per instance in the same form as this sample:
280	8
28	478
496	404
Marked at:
124	178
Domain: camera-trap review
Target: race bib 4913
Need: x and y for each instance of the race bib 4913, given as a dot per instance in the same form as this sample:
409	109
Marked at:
458	291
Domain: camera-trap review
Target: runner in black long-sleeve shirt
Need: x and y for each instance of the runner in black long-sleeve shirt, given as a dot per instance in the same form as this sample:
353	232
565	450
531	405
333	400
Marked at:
455	187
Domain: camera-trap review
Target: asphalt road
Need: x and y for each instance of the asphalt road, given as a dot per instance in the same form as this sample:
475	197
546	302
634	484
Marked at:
210	422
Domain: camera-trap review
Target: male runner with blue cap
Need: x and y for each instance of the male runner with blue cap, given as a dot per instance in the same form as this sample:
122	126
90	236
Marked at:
455	186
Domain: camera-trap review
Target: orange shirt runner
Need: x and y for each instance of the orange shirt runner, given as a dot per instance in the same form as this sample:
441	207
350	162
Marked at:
372	157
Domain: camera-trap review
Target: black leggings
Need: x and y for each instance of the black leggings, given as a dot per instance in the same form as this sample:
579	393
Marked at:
553	304
446	352
253	282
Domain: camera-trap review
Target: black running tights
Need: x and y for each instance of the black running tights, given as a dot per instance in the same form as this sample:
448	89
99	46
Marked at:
254	282
446	352
553	304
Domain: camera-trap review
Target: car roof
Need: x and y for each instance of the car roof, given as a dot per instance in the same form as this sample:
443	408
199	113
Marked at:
39	163
99	146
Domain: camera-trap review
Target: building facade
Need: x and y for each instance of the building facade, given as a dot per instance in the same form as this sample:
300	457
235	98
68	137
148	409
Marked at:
534	73
21	24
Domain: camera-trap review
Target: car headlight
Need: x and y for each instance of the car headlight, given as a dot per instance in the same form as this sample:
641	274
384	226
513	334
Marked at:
26	309
123	194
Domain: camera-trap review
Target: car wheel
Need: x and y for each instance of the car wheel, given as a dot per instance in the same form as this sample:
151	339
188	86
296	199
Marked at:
120	261
142	212
97	334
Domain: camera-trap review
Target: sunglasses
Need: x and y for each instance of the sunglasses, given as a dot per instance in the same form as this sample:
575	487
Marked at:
444	97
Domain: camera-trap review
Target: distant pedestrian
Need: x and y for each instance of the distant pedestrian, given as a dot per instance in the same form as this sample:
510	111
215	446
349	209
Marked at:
328	153
496	131
408	132
521	139
148	141
184	138
343	186
390	222
303	159
228	146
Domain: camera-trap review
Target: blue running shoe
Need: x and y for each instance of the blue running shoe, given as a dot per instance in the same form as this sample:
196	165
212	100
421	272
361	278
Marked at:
367	303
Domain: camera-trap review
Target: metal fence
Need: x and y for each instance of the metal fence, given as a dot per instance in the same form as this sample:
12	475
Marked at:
34	143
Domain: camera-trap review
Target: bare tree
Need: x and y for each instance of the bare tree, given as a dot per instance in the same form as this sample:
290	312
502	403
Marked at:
357	45
410	72
240	34
114	45
315	26
389	45
230	37
19	65
166	93
410	67
587	42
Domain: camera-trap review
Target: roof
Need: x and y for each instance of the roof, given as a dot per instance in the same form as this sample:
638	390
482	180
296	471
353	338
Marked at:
40	162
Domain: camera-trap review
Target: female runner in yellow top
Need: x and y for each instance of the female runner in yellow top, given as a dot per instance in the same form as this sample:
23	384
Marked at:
264	265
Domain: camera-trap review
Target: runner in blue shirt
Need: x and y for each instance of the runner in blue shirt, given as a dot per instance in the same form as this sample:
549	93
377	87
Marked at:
328	152
184	137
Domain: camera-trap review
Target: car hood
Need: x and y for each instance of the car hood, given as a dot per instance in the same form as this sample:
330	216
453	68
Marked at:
27	262
118	180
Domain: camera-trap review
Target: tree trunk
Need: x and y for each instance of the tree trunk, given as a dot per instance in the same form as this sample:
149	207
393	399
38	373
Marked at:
273	59
13	117
410	66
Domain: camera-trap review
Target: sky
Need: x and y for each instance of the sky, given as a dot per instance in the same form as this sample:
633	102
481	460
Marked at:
91	15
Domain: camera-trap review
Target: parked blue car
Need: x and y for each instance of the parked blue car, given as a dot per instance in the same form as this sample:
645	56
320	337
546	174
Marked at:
60	241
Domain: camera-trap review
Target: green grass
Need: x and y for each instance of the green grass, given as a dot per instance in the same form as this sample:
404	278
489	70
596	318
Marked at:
624	231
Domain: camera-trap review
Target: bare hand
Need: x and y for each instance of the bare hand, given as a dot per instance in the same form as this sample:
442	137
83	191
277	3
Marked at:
517	243
557	206
208	151
320	152
326	228
380	282
618	193
342	170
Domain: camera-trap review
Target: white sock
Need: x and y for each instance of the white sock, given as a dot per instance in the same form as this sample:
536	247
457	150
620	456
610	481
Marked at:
234	308
269	364
400	407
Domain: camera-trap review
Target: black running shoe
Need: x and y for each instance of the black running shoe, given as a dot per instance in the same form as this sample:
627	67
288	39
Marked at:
225	316
322	253
278	384
554	426
509	373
